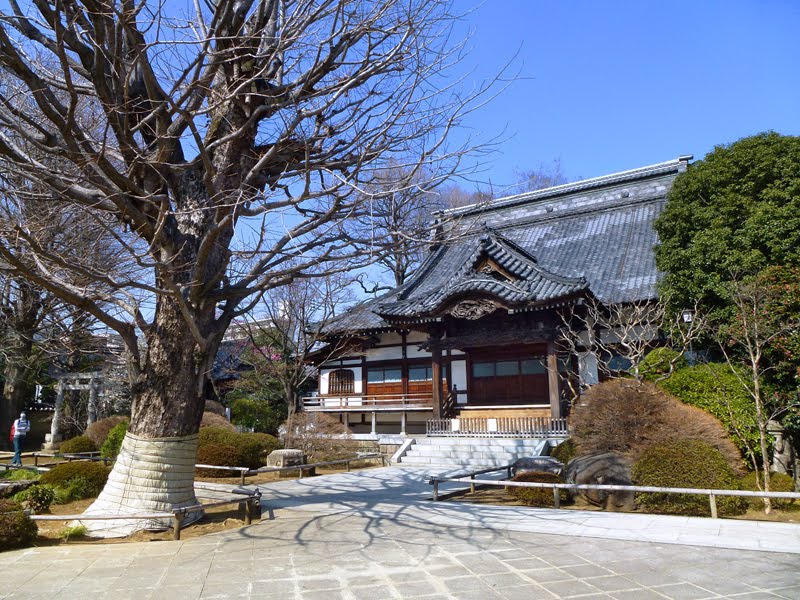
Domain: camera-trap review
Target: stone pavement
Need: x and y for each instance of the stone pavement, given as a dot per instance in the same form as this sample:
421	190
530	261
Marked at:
366	536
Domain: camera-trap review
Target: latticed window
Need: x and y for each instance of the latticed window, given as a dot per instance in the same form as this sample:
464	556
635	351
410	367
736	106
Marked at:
341	381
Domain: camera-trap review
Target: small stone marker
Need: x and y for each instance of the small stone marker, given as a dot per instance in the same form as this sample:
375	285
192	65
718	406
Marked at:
286	458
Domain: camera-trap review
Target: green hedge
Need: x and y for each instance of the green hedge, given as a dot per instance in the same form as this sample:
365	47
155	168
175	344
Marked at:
717	390
657	363
113	443
16	528
251	448
537	496
77	445
76	480
564	452
778	482
684	463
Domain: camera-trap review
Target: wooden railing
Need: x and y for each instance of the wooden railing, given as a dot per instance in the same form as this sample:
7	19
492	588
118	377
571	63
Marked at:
528	427
417	401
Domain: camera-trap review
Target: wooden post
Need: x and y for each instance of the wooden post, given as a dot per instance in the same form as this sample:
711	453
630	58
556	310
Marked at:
556	497
374	423
241	477
552	381
248	512
472	484
712	499
403	422
436	374
177	520
435	490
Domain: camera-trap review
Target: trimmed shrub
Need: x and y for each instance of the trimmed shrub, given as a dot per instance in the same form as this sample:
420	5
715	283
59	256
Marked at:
657	363
16	528
686	463
250	448
20	475
225	455
778	482
99	430
714	388
94	475
214	420
113	443
564	452
37	497
267	442
627	417
537	496
77	445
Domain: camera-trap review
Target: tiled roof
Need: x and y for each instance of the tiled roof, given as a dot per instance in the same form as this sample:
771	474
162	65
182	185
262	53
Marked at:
594	236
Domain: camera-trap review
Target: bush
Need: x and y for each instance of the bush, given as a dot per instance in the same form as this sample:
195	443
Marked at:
689	464
85	479
16	528
99	430
250	447
564	452
225	455
76	531
627	417
267	442
657	363
537	496
37	497
778	482
214	420
214	407
77	445
113	444
714	388
20	475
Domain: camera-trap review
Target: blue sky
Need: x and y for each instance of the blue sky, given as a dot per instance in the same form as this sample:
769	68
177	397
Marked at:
612	85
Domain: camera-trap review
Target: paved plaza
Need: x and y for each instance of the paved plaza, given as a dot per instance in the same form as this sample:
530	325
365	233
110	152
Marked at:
373	535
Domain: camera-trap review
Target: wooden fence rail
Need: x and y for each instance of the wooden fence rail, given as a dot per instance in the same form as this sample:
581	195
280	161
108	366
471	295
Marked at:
712	494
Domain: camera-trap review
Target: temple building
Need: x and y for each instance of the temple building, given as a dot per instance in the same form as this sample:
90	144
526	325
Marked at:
474	335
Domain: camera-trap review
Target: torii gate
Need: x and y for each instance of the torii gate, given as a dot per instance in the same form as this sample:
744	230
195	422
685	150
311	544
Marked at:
92	381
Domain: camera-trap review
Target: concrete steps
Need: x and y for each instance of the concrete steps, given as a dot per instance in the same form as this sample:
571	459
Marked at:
475	453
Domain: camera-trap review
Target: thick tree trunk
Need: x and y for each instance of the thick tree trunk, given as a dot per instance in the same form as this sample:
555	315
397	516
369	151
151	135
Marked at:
154	471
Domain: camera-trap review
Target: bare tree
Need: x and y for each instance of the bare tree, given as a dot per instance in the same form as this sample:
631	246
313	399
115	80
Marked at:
542	177
758	323
617	337
221	150
287	329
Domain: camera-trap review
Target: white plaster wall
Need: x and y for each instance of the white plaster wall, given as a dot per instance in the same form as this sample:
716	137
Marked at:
324	376
458	374
416	337
414	352
395	353
390	337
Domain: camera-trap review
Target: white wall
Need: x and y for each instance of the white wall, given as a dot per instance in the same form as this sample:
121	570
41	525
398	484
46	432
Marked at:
458	375
324	376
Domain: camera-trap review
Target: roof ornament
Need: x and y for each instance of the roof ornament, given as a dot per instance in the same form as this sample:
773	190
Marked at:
472	310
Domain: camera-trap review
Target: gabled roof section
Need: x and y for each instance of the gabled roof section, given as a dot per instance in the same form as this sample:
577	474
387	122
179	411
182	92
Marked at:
589	237
497	268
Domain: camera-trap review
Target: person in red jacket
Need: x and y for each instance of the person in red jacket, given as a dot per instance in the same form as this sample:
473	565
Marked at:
19	430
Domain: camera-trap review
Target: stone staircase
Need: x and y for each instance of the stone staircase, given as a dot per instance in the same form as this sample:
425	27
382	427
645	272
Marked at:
472	453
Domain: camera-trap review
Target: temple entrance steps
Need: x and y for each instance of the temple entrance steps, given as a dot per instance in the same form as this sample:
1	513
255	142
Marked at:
469	452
